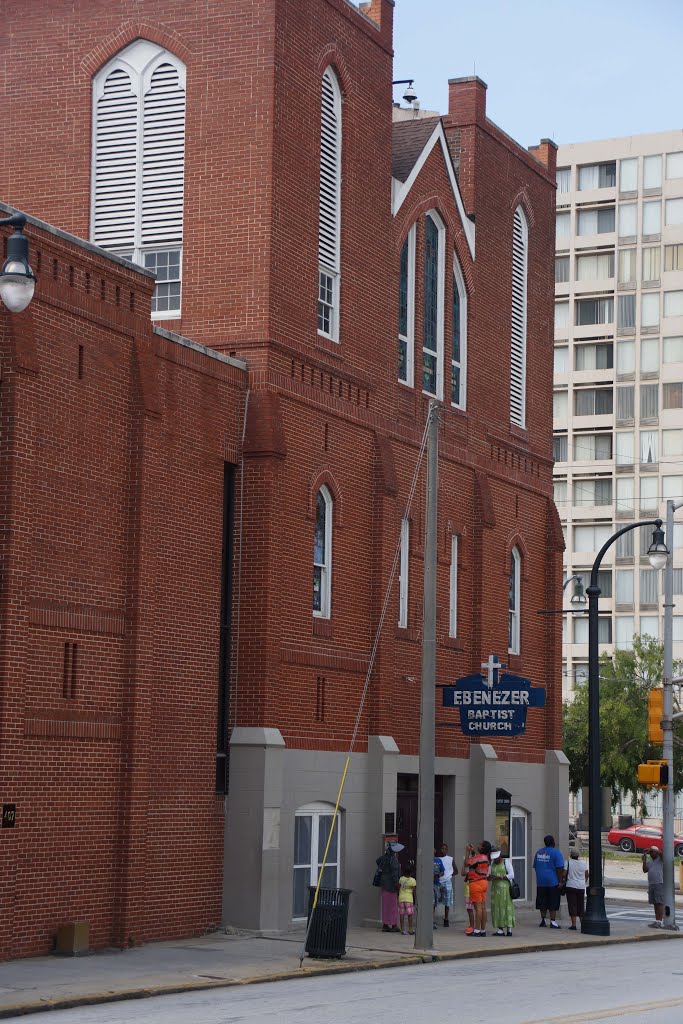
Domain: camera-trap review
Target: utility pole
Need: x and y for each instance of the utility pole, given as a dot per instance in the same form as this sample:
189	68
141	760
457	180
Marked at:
667	728
424	934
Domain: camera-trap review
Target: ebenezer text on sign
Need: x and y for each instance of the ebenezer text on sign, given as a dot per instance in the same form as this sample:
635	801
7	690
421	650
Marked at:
494	702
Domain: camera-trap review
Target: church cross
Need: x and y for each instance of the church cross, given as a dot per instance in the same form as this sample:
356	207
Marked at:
492	667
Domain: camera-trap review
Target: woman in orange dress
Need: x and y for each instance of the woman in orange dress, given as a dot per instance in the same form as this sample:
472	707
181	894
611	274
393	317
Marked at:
475	870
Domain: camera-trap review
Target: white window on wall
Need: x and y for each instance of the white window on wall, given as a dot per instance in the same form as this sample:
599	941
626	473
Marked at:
595	222
560	361
433	310
649	626
673	303
652	260
674	211
624	587
652	172
649	498
648	448
561	226
677	629
312	825
593	401
560	448
604	630
672	442
649	355
649	586
561	269
625	403
520	259
652	218
561	315
560	405
672	487
560	493
672	395
593	492
628	175
626	357
673	257
595	266
514	602
627	266
624	545
453	601
591	538
649	401
322	555
626	312
678	582
138	165
673	350
674	165
598	176
628	219
649	310
625	448
406	309
404	568
624	630
329	207
564	178
625	494
594	311
459	340
594	356
592	447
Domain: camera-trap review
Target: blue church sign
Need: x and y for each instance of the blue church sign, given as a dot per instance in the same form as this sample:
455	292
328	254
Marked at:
494	703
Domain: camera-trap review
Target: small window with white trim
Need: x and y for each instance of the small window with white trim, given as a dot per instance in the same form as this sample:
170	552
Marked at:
329	208
459	340
453	605
322	555
312	825
404	560
432	338
514	602
406	309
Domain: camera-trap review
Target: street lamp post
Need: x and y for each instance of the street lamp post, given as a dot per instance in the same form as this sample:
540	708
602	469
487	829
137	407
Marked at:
17	280
594	921
667	726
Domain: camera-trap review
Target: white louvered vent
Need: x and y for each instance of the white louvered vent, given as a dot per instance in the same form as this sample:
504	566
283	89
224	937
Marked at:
330	174
518	330
163	159
116	157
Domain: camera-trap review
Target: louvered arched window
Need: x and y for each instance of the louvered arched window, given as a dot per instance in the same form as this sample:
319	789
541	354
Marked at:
138	164
520	259
329	219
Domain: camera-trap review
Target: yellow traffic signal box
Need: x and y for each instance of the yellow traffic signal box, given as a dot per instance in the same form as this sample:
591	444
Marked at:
654	774
655	710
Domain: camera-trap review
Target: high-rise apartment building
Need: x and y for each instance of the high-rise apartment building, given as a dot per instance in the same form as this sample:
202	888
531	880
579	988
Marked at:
618	380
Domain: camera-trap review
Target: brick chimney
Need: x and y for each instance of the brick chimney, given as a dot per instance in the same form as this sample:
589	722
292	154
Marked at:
466	100
546	154
382	13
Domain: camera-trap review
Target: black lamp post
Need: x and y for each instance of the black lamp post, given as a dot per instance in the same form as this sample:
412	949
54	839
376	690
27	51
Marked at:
17	280
594	921
409	95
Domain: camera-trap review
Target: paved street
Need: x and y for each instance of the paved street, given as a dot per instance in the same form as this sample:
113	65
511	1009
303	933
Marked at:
634	984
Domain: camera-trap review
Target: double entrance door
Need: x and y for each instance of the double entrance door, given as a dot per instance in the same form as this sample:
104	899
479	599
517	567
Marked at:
407	811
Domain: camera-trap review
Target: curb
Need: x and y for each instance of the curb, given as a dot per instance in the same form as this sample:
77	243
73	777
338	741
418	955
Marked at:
427	957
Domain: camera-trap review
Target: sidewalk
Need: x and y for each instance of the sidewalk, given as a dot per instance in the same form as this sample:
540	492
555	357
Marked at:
220	960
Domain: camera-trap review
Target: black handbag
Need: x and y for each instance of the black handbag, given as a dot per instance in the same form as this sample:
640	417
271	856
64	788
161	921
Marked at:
377	880
514	890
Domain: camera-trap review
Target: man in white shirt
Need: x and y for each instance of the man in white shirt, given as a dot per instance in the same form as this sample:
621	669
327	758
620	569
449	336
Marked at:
446	882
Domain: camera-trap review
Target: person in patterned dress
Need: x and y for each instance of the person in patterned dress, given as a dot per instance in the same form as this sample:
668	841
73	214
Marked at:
502	907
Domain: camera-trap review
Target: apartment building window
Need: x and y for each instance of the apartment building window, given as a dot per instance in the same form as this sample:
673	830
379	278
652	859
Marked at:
560	359
592	447
649	356
626	357
564	179
649	626
329	207
520	262
625	494
672	395
672	487
673	303
604	630
628	175
673	257
678	629
459	339
561	226
604	581
652	172
592	401
628	220
674	165
590	538
595	222
674	211
561	269
673	350
560	447
624	632
649	587
649	447
627	266
672	442
406	309
626	312
625	447
598	176
560	406
624	587
593	492
625	545
625	403
561	316
652	218
649	401
595	356
594	311
560	493
432	340
652	261
595	266
678	582
649	310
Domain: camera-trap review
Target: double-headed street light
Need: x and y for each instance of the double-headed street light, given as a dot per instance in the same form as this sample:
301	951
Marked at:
17	280
594	921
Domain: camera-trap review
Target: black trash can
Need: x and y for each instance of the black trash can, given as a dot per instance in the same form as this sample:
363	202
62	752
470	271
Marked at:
327	933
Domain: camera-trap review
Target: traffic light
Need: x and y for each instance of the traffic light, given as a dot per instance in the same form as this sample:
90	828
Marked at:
655	711
654	774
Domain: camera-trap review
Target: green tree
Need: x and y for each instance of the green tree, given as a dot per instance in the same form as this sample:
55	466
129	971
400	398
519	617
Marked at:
625	679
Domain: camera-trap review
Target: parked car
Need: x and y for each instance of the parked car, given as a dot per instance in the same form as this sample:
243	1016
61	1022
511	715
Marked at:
641	837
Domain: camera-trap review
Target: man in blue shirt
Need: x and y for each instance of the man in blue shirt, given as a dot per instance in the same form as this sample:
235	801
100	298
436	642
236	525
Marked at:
549	868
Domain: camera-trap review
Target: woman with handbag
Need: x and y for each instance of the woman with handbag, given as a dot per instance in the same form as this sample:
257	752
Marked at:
502	907
386	878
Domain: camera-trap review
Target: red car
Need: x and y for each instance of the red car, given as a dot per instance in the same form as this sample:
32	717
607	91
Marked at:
641	837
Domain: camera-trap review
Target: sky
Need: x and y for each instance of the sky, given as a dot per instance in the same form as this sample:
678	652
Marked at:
571	71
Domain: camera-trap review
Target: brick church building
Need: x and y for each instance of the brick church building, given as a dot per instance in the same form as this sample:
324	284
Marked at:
204	474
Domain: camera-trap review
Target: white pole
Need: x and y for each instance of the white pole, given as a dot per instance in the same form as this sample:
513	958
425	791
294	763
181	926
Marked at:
667	729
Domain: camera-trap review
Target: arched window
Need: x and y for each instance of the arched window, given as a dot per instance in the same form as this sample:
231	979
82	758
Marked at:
520	260
514	609
406	309
459	339
138	165
432	339
329	222
312	825
322	555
